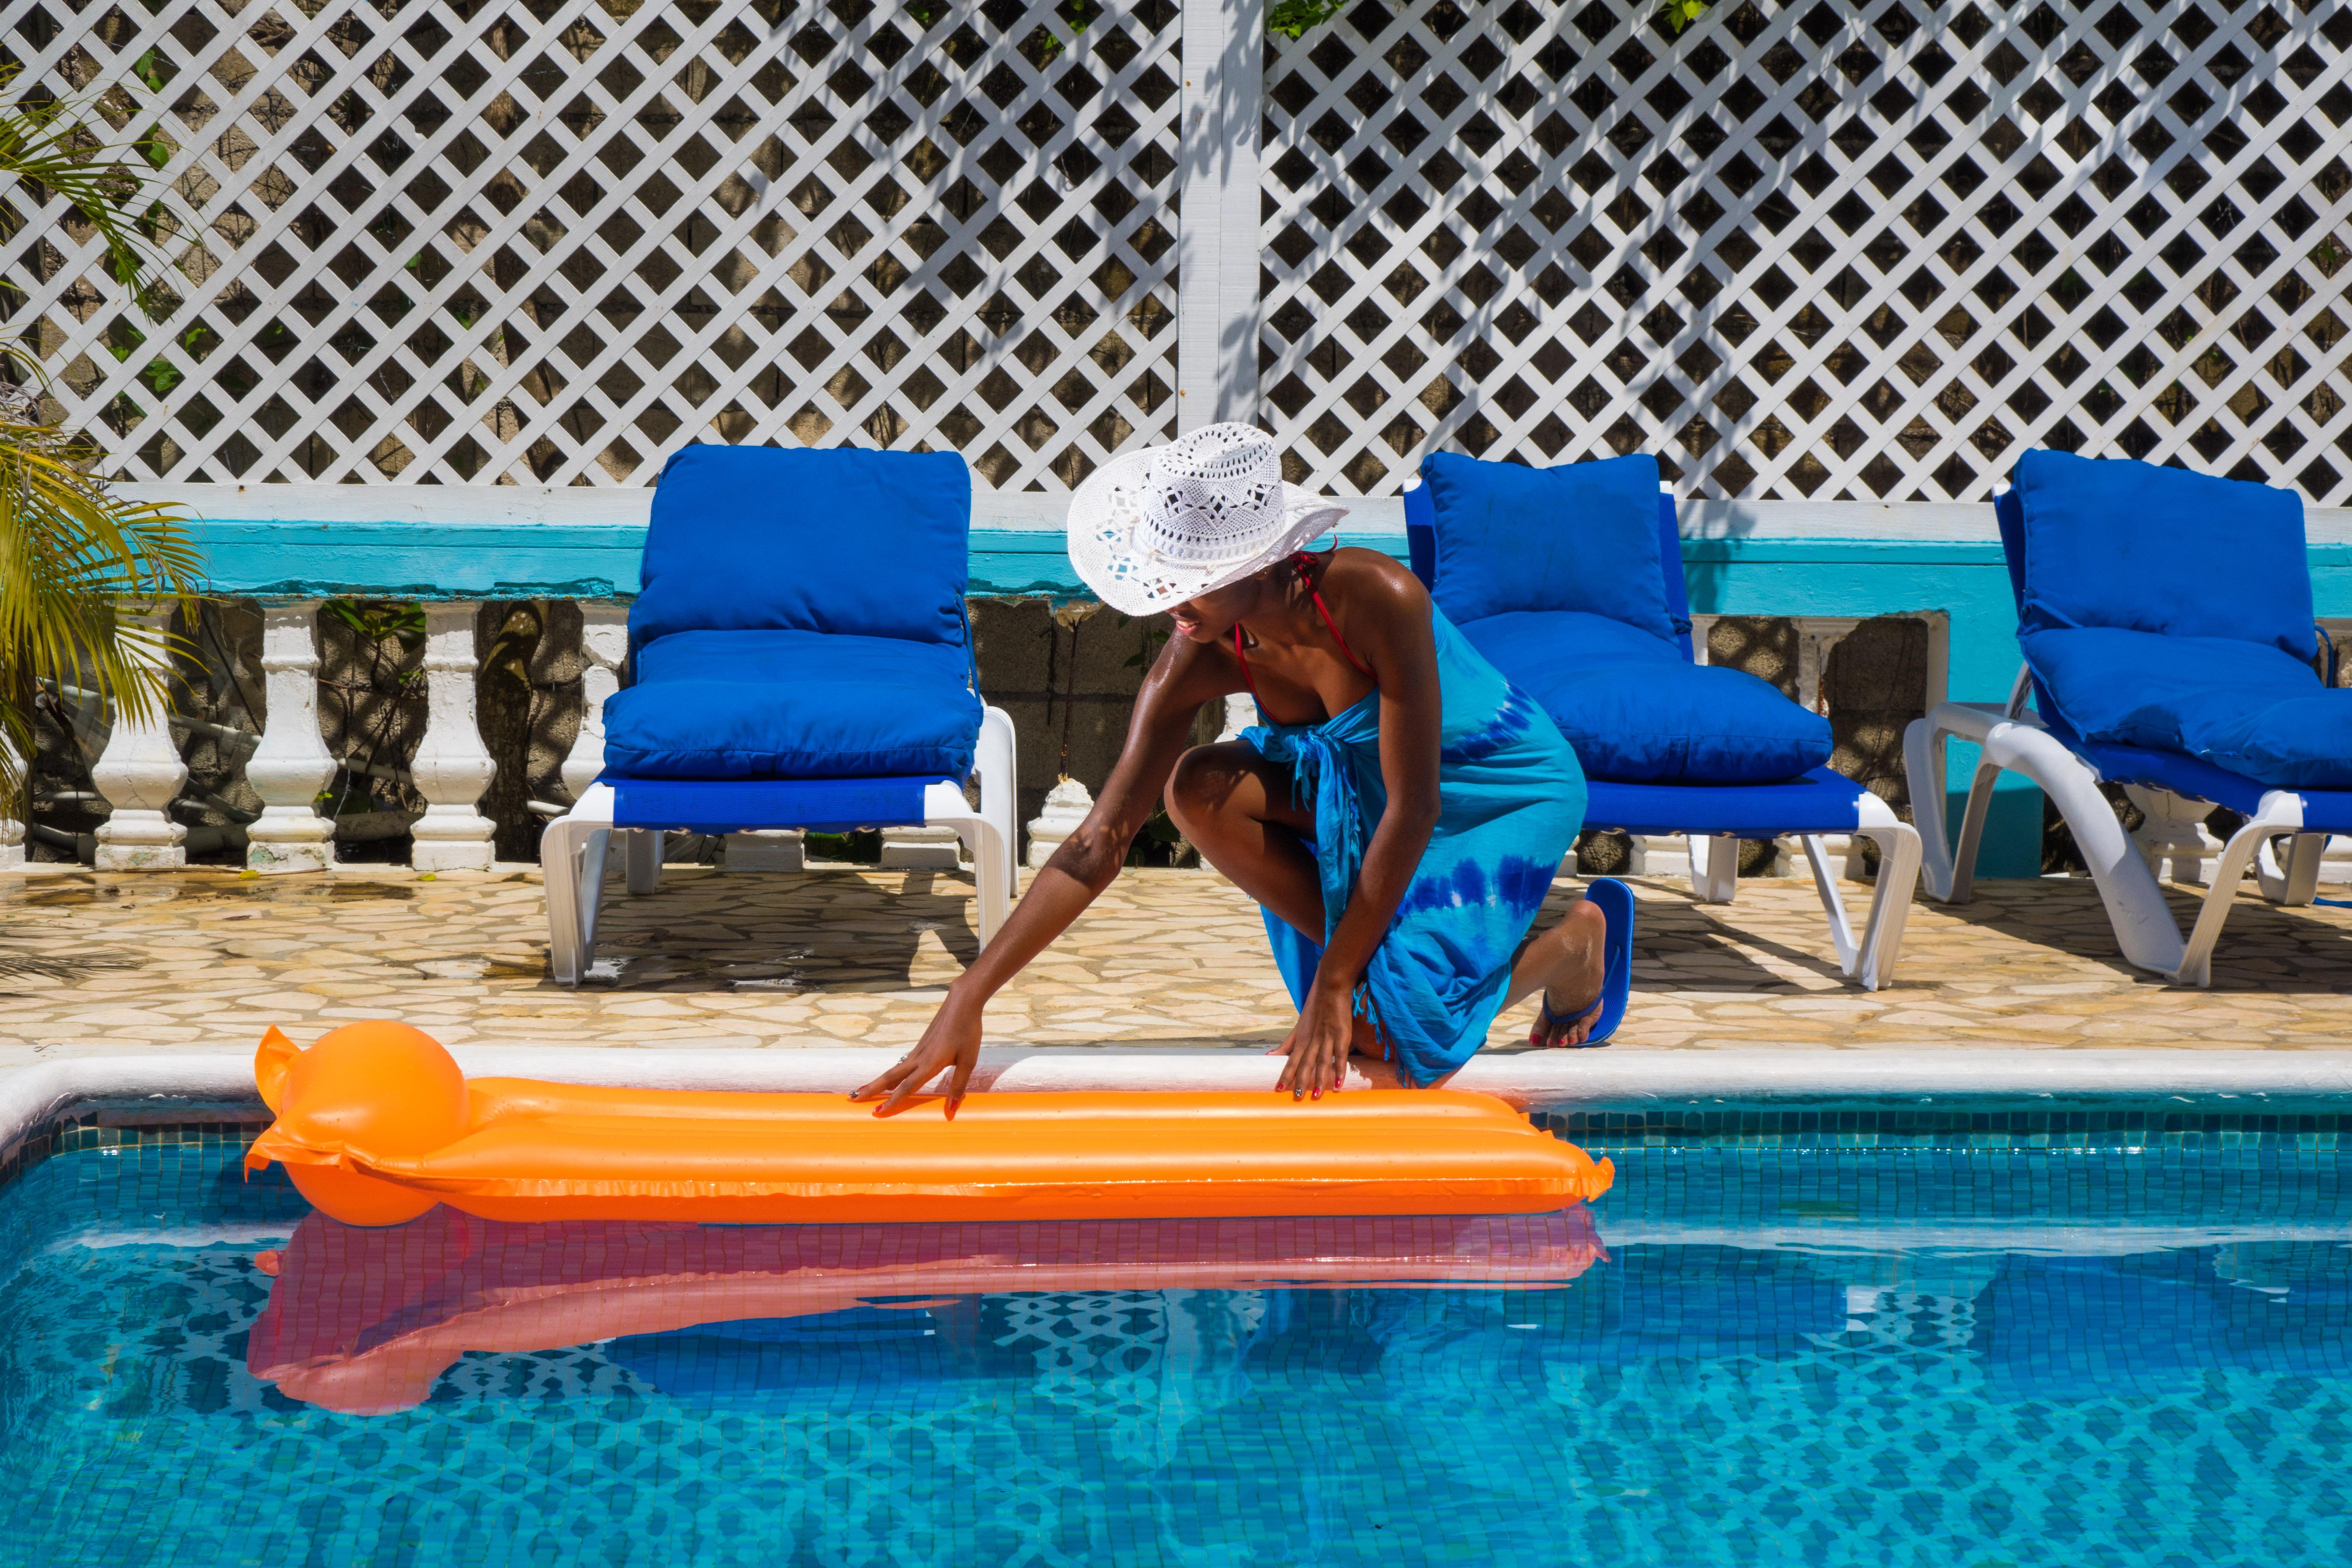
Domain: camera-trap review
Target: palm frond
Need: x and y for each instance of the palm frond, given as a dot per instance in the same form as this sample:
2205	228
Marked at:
74	557
76	562
52	146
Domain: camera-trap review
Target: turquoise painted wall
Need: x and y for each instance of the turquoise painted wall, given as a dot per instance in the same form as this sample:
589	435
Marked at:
1735	576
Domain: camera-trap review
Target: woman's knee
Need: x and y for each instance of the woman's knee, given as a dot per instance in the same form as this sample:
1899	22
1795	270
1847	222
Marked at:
1203	786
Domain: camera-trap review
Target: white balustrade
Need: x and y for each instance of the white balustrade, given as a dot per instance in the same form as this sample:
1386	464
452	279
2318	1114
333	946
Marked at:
453	768
1066	805
1241	713
2172	838
291	764
604	649
12	829
914	849
139	773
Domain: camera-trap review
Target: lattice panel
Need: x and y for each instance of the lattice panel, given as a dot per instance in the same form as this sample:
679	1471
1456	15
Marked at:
550	241
1866	249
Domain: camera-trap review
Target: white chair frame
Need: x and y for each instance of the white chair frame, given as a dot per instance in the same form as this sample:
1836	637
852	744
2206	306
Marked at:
572	849
2016	739
1714	877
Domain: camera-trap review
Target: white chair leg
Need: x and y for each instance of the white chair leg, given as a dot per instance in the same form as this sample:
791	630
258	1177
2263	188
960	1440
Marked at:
2135	907
1825	883
1715	867
993	877
2303	868
2280	814
1899	847
1972	827
1923	770
571	864
2297	882
2196	967
1000	795
992	867
642	859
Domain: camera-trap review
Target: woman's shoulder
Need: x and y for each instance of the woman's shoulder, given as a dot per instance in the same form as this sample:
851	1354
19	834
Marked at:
1376	576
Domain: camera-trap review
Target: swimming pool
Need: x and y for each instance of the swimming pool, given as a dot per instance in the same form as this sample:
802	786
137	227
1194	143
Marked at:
1882	1342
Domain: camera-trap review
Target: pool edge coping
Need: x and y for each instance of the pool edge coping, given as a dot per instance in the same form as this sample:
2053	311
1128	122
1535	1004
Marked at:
34	1097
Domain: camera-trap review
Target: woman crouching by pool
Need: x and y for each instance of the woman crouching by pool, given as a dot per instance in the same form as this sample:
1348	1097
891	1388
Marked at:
1398	815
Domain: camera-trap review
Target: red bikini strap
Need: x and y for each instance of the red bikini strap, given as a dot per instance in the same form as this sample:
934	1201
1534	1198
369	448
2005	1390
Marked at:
1306	564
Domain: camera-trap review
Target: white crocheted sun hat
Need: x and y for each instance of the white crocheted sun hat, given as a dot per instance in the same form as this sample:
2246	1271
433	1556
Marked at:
1151	528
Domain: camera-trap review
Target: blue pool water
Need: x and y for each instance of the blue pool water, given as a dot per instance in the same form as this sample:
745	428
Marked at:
1965	1355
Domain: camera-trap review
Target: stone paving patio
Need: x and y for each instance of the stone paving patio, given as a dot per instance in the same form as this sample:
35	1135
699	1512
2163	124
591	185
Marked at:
206	961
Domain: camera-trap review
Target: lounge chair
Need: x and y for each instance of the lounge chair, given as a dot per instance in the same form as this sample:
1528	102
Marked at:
2165	619
1570	581
801	659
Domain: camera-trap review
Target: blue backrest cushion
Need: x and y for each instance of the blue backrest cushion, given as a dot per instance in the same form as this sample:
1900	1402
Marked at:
2132	546
1670	571
775	539
1421	534
2245	705
1581	537
1637	712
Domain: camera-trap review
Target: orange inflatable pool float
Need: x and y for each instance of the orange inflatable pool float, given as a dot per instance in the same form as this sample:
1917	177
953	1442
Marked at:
376	1124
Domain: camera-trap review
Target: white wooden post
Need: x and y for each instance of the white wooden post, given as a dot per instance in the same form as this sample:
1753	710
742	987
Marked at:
604	649
452	768
291	764
1217	231
139	773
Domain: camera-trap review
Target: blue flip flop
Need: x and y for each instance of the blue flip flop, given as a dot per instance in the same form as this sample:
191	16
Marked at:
1614	900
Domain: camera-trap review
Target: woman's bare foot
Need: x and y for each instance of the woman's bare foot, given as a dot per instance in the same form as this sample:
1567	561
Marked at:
1569	961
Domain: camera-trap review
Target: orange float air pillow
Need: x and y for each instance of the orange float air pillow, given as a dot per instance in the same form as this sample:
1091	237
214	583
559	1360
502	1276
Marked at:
376	1124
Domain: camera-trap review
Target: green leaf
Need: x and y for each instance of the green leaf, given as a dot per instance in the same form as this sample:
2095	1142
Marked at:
1292	18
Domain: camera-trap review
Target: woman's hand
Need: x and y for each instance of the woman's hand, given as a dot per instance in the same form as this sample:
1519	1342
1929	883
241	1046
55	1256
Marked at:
953	1040
1318	1044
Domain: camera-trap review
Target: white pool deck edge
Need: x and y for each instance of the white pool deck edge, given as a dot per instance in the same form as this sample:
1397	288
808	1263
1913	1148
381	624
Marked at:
2246	1081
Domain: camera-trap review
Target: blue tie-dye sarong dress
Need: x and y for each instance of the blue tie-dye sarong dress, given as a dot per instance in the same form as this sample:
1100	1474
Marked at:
1510	800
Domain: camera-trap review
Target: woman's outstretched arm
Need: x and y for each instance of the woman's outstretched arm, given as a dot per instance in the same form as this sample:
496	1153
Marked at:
1390	611
1181	680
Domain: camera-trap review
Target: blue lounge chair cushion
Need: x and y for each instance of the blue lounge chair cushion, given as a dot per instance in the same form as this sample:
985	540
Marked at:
1638	713
1819	801
2115	542
874	545
793	704
2243	706
1582	536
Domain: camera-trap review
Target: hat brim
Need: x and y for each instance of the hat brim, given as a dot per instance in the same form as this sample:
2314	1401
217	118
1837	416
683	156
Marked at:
1133	581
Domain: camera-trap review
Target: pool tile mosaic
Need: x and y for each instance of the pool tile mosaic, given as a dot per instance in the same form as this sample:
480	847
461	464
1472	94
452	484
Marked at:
1933	1353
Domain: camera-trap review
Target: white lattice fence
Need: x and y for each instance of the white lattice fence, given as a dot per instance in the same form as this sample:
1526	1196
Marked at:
1866	249
552	241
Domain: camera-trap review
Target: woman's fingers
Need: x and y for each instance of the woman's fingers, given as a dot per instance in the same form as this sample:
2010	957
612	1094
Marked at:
911	1085
888	1080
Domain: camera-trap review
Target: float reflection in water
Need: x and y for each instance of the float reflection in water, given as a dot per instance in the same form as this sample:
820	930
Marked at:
364	1320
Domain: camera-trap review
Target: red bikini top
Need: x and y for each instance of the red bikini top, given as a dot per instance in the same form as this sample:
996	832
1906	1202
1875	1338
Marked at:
1305	564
